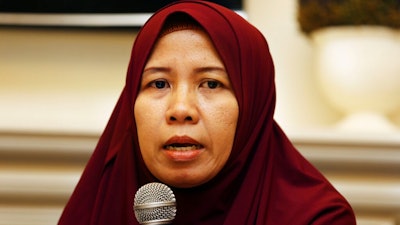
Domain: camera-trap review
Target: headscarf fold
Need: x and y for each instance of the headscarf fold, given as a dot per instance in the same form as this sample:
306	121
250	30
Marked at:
265	180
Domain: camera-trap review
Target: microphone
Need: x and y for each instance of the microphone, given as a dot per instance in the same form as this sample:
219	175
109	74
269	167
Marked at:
154	204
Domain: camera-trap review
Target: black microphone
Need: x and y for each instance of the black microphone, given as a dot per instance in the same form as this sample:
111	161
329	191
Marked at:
154	204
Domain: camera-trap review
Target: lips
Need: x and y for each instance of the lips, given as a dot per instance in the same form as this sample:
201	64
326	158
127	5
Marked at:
182	143
183	149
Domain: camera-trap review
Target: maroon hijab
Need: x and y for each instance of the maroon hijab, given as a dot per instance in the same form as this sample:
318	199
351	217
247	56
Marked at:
265	181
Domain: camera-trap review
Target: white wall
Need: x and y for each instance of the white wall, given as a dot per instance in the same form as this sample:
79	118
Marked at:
61	80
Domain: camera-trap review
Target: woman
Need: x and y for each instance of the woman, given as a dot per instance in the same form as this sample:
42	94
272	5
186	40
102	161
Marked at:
196	113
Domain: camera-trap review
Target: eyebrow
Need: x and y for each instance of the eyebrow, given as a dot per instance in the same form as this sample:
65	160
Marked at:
156	69
197	70
210	69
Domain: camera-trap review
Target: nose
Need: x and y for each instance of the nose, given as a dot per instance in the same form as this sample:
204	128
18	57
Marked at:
182	107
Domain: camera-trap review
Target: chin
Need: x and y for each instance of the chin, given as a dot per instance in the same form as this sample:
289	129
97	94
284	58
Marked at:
183	183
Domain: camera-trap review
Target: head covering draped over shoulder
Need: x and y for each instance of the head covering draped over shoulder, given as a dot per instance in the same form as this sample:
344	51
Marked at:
265	181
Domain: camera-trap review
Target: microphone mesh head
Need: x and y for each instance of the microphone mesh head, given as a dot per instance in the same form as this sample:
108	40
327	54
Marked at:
155	204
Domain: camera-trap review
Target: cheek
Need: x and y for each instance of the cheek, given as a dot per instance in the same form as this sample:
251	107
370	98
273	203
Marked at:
147	116
222	118
139	111
228	111
146	110
222	128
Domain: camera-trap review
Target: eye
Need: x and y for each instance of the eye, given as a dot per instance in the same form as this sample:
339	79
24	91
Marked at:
212	84
159	84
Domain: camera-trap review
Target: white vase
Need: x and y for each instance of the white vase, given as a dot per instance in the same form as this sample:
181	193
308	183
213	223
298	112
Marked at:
358	69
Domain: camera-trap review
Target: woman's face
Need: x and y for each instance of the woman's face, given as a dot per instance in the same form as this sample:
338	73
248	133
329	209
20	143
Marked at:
186	112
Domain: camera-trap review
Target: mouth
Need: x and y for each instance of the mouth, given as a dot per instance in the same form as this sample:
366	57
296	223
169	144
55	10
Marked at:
183	147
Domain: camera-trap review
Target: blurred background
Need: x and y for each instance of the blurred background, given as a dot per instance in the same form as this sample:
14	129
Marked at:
59	85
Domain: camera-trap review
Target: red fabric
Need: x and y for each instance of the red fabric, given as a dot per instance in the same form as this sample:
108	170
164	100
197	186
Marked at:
265	181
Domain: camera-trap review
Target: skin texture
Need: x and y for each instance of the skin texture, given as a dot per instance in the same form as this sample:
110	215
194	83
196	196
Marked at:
185	100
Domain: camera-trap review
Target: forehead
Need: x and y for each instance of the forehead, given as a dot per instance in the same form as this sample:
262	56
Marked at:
186	37
185	45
